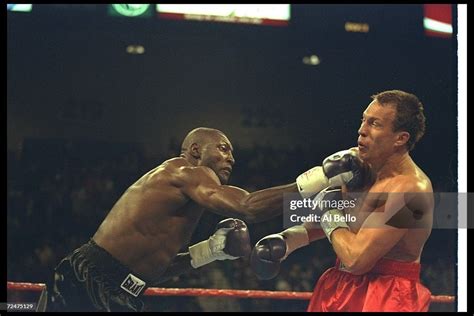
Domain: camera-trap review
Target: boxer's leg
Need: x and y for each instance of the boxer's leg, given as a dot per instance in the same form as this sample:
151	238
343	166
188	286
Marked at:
68	293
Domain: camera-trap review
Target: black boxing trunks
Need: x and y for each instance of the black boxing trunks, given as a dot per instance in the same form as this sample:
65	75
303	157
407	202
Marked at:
90	279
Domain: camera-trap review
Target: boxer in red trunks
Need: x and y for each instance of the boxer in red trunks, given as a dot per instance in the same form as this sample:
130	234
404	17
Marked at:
378	255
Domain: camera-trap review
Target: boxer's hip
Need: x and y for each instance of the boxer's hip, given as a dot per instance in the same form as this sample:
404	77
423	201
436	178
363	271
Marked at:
407	270
106	281
390	286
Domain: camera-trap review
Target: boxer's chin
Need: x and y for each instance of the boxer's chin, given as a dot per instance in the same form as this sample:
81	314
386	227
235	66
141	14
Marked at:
363	154
224	176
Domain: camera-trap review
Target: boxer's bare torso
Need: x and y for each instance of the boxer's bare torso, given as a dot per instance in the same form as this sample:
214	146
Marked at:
397	230
151	221
157	215
415	217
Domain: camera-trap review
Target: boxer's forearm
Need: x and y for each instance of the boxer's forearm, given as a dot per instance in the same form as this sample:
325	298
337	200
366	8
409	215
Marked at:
231	201
314	231
265	204
347	249
180	264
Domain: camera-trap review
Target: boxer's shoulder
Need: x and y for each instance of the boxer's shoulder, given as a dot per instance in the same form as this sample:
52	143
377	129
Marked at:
166	170
175	162
402	183
177	167
185	173
413	182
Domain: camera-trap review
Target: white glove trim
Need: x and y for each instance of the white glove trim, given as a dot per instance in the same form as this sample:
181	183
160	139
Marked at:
311	182
295	237
210	250
201	254
329	224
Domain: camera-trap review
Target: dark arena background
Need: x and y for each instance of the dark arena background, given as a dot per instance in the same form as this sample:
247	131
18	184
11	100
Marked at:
96	98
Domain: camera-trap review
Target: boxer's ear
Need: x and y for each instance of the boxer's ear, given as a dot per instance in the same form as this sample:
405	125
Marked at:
402	138
195	151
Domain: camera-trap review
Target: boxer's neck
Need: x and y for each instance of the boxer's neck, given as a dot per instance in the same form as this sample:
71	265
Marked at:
189	158
393	165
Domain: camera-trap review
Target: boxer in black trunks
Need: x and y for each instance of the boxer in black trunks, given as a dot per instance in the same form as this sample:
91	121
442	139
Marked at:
138	242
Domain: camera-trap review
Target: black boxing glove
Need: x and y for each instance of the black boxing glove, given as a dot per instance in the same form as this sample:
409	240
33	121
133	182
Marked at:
230	241
346	168
271	250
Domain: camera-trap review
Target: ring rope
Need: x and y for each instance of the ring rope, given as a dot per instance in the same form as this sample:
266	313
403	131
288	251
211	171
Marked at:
159	291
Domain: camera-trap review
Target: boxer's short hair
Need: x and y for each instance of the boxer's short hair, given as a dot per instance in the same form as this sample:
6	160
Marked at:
409	115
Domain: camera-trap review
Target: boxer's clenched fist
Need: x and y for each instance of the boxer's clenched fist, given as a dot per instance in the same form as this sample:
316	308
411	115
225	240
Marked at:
341	168
230	241
271	250
346	168
267	255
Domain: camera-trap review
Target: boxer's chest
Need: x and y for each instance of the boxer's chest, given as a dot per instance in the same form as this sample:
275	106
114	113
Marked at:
365	203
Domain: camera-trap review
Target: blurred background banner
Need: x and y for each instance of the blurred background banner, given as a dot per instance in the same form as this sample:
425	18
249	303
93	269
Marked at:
97	95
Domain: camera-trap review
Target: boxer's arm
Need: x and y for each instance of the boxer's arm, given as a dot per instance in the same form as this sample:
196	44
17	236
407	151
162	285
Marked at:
202	186
360	252
314	231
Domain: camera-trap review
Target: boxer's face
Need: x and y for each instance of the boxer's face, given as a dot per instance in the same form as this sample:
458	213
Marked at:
217	155
377	139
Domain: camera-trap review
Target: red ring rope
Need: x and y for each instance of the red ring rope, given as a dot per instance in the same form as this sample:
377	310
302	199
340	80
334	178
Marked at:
159	291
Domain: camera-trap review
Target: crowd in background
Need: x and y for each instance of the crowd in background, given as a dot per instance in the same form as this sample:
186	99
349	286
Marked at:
59	193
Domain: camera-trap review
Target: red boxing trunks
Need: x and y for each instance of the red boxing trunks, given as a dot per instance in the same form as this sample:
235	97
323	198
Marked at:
391	286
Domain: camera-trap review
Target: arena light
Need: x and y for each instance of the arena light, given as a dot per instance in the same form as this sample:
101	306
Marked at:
438	20
135	49
130	10
264	14
356	27
312	60
437	26
16	7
